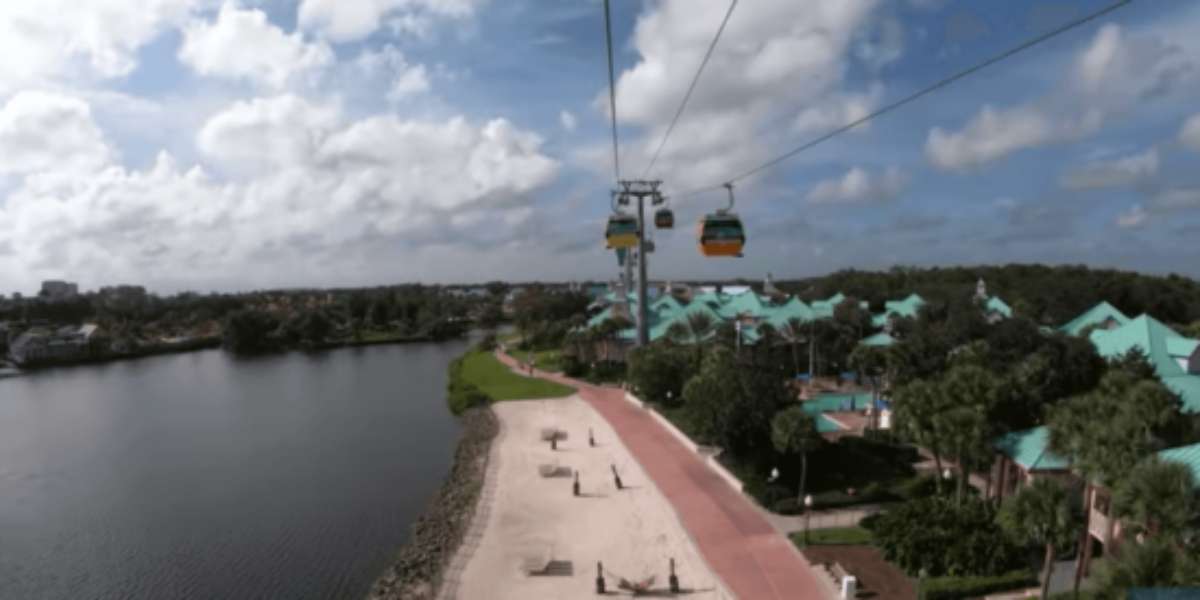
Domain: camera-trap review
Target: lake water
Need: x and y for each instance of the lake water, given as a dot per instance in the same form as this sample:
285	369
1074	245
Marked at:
203	476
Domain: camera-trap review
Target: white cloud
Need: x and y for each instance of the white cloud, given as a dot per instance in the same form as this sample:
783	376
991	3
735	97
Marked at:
1189	134
406	79
993	134
748	97
1116	72
52	39
1173	199
859	186
351	196
243	44
567	120
1134	217
265	132
346	21
42	131
1112	173
838	109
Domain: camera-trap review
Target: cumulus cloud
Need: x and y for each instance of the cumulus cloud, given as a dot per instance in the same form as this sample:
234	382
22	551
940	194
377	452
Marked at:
995	133
1112	173
1115	72
332	191
567	120
51	39
343	21
749	92
42	131
1134	217
405	79
243	44
859	186
1189	134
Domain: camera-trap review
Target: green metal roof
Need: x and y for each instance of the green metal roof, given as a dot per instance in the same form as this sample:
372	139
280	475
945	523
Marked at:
908	307
1030	449
1187	455
1182	347
995	304
1188	388
823	309
881	340
1094	316
835	402
1146	333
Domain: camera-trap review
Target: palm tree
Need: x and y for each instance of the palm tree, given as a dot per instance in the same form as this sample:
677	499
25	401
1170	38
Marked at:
1157	497
692	330
919	406
871	361
969	393
795	431
1107	432
793	330
1040	514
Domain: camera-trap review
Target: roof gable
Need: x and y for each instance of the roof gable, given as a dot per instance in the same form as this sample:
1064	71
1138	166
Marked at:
1094	316
1031	449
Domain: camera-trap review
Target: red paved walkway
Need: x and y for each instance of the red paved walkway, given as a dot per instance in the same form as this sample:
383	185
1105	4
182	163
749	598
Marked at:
751	558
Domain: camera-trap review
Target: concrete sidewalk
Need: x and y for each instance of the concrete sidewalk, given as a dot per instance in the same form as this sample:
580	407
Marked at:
752	558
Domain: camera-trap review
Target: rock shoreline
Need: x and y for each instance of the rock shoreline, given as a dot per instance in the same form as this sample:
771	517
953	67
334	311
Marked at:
420	565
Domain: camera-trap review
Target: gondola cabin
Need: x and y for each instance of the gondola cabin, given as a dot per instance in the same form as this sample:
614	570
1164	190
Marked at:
721	234
622	232
664	219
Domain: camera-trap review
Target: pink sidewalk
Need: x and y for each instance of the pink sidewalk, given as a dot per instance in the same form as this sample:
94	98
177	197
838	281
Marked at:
751	558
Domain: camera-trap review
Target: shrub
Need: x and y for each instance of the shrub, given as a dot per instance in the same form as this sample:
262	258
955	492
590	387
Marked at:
487	343
944	539
659	371
952	588
460	393
572	366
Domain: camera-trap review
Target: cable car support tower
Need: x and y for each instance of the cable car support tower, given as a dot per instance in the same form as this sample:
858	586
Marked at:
639	190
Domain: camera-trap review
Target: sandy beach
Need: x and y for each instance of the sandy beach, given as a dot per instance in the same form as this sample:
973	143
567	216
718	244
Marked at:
534	520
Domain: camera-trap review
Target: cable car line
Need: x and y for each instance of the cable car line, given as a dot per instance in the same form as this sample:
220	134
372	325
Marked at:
915	95
612	90
695	78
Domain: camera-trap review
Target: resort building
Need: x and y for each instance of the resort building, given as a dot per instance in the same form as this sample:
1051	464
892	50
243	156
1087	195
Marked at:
1022	456
894	309
54	289
1102	316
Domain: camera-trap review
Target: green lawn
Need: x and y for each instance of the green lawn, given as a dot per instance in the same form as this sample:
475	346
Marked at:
839	536
497	381
547	360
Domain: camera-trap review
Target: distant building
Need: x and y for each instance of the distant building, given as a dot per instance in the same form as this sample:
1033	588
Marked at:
41	345
123	296
53	289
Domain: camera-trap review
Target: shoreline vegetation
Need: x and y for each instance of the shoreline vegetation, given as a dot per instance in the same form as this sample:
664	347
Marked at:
477	378
419	567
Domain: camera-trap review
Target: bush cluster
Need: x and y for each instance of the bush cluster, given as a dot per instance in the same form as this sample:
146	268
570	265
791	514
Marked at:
461	394
953	588
943	538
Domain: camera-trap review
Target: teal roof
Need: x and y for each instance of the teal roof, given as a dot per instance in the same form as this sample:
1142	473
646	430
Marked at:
1030	449
823	309
1148	334
1188	388
1094	316
996	305
908	307
1187	455
879	340
1182	347
835	402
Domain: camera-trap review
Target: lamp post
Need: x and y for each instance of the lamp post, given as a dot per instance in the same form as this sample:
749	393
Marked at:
808	502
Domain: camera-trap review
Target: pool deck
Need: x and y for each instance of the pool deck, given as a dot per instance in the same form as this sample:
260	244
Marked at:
749	555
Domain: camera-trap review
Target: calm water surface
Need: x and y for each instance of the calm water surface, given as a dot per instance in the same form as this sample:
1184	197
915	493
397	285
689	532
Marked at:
203	476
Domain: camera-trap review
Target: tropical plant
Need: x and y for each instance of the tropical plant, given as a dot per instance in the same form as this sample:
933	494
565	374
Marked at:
1157	498
1150	564
659	371
1108	431
969	393
918	409
942	538
794	431
795	331
692	330
1040	514
871	362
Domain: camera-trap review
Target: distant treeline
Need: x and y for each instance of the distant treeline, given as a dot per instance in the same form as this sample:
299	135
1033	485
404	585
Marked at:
1049	295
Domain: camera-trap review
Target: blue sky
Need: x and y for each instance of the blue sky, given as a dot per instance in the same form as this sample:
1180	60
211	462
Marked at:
200	144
